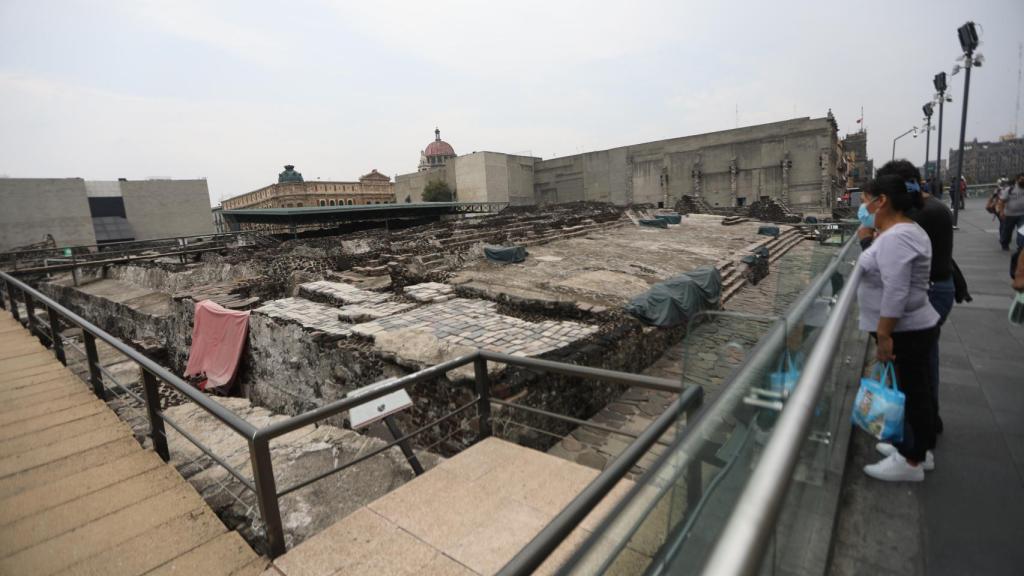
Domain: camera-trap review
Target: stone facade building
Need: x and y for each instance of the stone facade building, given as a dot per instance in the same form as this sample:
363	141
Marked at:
291	191
986	162
798	162
861	168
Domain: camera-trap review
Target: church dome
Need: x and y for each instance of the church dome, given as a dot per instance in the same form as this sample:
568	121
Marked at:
439	147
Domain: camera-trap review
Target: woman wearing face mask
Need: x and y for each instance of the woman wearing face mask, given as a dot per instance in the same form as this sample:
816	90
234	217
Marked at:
894	306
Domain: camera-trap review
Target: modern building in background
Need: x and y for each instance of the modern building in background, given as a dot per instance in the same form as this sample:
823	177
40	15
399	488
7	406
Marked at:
798	162
292	191
861	168
74	211
986	162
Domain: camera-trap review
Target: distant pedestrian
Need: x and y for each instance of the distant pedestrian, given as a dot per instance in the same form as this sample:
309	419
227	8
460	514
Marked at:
894	307
1011	211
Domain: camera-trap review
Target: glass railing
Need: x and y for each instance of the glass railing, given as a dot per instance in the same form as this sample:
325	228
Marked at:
748	366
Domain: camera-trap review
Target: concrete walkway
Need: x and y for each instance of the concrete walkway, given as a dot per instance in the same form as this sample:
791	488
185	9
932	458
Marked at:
967	517
78	495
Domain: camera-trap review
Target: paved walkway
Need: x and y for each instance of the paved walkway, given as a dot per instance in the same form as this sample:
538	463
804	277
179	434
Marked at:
968	515
78	495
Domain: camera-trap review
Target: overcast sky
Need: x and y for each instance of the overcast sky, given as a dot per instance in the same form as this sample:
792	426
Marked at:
232	90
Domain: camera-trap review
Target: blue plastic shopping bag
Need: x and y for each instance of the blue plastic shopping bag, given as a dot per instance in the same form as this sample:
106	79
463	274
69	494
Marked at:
784	378
879	407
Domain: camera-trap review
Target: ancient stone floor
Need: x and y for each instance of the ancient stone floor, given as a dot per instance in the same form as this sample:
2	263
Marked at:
469	516
78	495
609	267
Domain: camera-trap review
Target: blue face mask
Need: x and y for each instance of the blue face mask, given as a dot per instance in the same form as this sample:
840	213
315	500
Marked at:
867	219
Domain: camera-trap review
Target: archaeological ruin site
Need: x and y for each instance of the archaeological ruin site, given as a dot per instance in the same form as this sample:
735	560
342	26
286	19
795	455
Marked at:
478	320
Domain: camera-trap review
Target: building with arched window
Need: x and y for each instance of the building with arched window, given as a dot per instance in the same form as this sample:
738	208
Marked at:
436	154
292	191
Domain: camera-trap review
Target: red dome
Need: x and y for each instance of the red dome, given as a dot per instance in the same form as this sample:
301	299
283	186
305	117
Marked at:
438	147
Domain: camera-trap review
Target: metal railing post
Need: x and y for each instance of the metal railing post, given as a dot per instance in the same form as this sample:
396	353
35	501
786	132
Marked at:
151	388
93	360
694	470
30	313
266	494
13	301
3	295
56	341
483	392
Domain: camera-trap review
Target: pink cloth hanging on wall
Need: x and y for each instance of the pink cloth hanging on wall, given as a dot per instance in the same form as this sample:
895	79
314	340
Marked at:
218	338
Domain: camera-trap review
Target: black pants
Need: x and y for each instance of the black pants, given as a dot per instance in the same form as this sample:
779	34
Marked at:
913	377
1008	230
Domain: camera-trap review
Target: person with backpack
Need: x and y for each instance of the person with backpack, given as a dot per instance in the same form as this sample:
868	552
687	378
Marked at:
1011	211
992	205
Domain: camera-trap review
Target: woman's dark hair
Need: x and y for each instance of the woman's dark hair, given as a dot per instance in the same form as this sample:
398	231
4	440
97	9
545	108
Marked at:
895	188
902	168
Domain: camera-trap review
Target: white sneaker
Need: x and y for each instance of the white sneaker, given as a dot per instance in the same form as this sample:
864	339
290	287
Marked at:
894	468
884	448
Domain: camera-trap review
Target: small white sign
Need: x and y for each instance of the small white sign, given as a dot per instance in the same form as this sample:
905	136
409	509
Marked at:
375	410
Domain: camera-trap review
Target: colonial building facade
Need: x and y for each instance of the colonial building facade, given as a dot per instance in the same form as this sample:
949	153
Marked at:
291	191
986	162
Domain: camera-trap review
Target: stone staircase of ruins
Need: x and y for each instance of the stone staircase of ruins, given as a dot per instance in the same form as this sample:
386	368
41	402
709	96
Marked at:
732	271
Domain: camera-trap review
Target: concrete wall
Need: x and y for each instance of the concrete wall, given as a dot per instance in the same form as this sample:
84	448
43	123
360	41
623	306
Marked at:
31	208
411	185
163	208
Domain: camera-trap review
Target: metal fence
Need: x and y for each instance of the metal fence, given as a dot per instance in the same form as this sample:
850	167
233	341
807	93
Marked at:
263	483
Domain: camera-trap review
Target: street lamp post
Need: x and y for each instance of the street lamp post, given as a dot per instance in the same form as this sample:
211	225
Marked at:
940	86
912	130
927	108
968	41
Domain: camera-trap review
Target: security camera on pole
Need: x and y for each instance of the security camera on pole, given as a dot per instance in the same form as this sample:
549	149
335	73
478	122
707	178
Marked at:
969	42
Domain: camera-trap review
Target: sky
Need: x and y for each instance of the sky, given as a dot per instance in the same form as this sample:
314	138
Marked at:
231	90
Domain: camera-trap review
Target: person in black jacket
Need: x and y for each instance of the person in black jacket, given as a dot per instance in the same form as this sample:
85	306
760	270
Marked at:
937	220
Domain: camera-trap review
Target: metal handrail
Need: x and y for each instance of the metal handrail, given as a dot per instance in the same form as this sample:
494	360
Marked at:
263	481
742	544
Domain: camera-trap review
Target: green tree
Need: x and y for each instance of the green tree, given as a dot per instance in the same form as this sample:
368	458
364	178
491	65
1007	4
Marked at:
437	191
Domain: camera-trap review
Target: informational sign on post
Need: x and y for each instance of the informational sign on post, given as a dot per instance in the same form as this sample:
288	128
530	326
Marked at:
376	410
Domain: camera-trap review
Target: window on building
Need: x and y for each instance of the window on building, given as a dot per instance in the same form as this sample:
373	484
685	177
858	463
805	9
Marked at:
332	202
741	201
349	201
299	204
323	202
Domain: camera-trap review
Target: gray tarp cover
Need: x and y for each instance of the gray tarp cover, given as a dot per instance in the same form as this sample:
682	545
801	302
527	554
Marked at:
653	222
676	300
670	218
505	254
768	230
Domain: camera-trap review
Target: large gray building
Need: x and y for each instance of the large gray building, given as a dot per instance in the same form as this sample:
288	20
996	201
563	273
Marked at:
986	162
75	211
798	162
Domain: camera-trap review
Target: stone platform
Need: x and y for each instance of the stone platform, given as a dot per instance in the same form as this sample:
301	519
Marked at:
468	516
